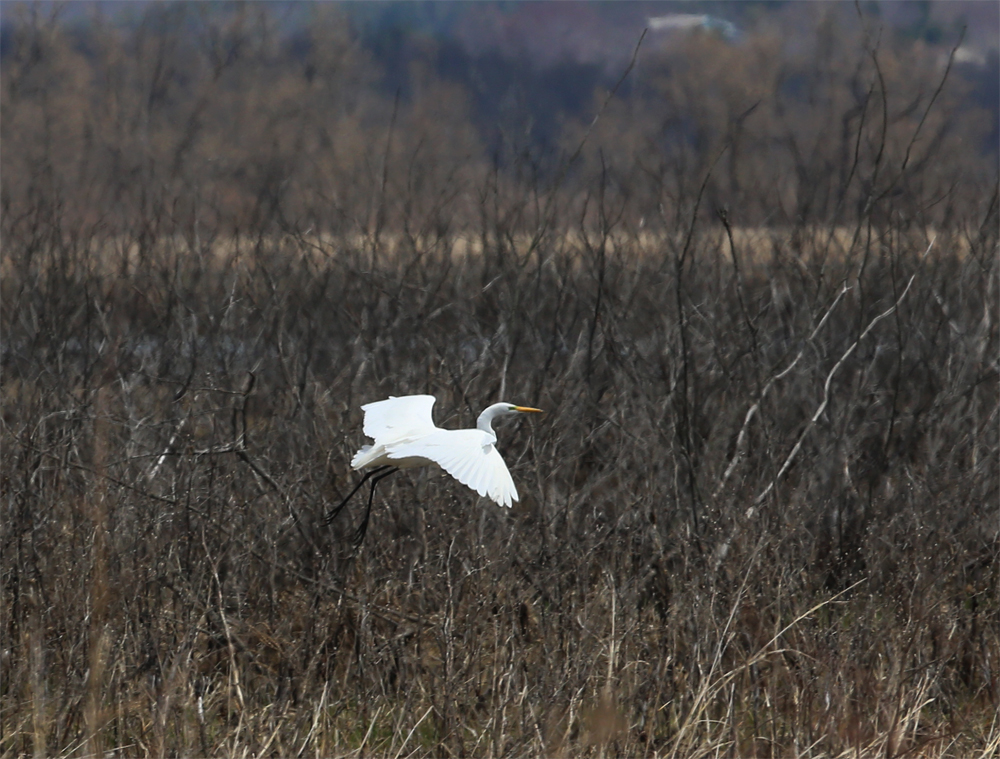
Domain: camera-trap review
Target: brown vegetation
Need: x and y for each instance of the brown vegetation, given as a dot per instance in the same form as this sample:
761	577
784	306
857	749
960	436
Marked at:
759	517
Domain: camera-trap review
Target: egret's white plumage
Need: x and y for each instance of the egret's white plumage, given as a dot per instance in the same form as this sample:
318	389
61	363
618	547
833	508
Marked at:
405	436
410	414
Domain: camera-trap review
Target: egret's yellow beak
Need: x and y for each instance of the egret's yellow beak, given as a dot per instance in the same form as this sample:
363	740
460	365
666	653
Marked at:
526	409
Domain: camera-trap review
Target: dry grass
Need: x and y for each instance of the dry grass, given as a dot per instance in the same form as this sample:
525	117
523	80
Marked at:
169	586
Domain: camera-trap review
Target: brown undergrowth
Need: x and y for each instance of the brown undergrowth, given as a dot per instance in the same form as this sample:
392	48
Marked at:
173	436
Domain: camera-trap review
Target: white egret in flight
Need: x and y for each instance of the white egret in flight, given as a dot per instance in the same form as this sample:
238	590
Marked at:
405	436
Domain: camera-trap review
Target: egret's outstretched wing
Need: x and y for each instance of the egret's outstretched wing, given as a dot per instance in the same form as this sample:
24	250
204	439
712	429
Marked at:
395	418
467	455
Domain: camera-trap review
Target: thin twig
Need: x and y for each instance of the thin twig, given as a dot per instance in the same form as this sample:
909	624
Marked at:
751	412
826	389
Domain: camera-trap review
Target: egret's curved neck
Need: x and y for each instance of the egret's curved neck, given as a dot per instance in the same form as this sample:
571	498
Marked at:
486	418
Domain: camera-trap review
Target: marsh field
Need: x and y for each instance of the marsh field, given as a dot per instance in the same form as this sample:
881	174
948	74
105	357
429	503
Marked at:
759	517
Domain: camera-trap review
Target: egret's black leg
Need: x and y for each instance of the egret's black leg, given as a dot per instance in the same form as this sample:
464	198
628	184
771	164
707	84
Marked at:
360	534
332	513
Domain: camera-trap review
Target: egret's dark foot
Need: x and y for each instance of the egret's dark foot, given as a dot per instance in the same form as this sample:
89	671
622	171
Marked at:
380	474
332	513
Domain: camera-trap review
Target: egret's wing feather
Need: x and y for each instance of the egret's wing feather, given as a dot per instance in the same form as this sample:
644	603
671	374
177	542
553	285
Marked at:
467	455
399	417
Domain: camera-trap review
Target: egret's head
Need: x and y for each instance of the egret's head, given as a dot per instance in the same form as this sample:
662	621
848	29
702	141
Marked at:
501	409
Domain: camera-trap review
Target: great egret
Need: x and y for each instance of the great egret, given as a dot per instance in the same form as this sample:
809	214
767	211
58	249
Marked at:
405	436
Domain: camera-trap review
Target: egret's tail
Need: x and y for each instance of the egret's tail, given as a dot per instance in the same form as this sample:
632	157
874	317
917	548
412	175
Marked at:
361	457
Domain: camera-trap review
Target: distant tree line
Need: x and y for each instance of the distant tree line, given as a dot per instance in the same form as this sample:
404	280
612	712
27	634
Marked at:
205	114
